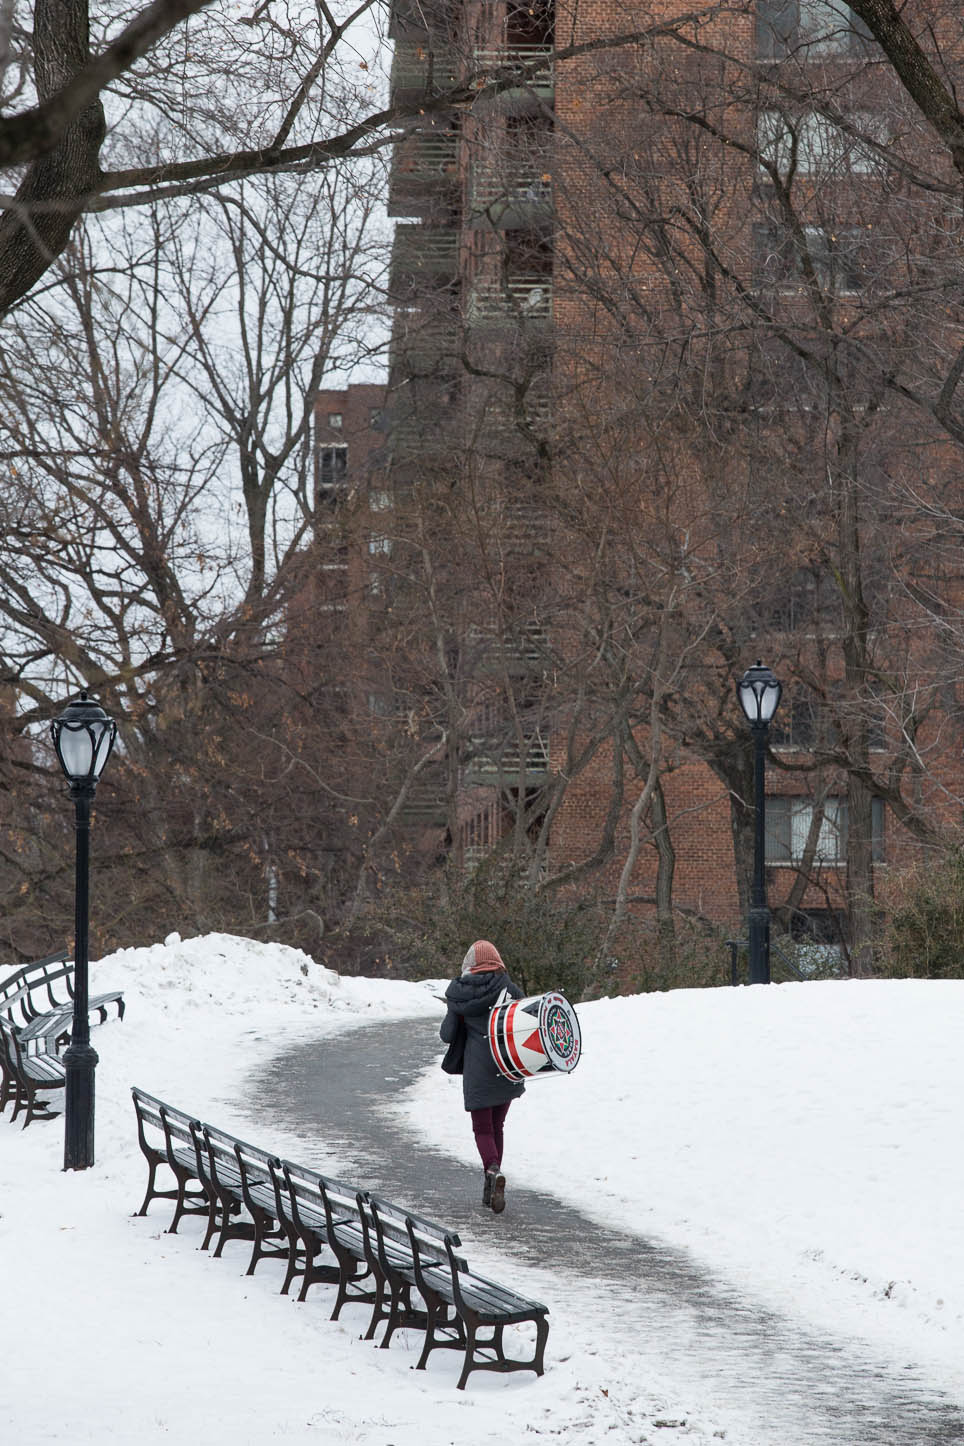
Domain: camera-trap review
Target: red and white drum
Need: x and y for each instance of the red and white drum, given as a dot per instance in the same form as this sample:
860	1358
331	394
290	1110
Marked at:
534	1037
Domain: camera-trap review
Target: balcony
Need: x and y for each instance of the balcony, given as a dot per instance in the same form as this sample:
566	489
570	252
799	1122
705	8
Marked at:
425	262
424	172
423	426
527	530
513	197
421	439
502	763
525	300
425	344
525	70
523	653
419	71
509	431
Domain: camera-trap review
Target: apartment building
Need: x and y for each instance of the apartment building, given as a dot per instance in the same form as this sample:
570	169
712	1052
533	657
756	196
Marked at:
649	294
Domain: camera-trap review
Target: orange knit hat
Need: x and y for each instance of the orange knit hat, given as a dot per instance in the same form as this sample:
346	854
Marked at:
482	958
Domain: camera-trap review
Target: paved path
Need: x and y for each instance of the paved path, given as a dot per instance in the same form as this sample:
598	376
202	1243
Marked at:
785	1387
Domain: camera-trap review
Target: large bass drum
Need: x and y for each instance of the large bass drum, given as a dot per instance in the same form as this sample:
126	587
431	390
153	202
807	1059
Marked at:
534	1037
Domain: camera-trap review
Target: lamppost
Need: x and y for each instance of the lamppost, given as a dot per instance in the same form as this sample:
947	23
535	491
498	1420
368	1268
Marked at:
759	693
83	737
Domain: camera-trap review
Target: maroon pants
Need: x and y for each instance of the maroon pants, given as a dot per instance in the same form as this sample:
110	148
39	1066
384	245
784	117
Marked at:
487	1129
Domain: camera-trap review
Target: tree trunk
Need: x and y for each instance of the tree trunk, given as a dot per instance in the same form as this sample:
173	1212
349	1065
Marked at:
855	729
666	865
51	196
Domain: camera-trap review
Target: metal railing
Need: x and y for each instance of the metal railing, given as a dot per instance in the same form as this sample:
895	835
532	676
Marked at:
532	64
740	947
424	249
499	416
425	155
491	761
525	647
526	298
422	69
529	185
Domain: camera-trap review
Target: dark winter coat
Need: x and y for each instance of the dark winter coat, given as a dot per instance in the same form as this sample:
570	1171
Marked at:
472	996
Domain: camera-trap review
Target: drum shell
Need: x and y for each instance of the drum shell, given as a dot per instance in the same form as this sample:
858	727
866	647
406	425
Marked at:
535	1037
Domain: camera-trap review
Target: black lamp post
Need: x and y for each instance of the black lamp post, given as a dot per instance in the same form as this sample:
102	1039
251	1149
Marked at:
759	693
83	737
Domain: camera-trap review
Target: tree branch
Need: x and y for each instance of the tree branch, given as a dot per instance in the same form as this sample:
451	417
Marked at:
35	132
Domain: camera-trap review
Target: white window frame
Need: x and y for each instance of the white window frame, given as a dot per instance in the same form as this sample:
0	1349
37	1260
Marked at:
823	149
831	850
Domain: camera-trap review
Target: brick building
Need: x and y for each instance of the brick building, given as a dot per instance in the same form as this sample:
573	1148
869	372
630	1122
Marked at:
643	286
350	482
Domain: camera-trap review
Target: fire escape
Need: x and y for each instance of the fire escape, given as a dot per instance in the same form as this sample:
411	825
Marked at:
472	282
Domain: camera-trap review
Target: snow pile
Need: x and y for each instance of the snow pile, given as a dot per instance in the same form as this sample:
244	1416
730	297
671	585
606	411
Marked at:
219	1005
800	1140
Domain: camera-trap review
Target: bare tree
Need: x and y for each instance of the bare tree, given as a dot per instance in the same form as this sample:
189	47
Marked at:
158	413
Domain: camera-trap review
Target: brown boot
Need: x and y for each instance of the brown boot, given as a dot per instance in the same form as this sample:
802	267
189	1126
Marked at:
497	1197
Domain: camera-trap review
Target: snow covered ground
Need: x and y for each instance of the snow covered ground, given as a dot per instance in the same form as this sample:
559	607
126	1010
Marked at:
801	1140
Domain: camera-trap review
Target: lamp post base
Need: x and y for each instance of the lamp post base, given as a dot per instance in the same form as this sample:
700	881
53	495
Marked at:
759	951
80	1061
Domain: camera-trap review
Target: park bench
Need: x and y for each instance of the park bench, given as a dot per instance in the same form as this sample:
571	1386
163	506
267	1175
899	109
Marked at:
478	1303
30	1063
237	1177
389	1239
38	999
322	1218
24	973
9	1074
376	1253
165	1138
27	1077
359	1280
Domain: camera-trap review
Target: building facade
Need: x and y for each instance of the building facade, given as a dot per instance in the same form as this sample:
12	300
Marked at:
659	290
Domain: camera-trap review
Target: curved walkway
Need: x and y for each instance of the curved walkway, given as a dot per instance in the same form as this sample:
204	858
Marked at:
787	1387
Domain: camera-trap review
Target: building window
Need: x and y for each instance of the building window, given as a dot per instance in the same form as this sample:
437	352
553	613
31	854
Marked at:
788	823
797	723
332	474
780	258
813	29
809	144
335	421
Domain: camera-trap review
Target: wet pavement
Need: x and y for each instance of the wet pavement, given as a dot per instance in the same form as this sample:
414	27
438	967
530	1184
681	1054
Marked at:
762	1372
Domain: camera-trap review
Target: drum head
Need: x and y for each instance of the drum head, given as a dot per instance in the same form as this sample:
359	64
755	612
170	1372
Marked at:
559	1028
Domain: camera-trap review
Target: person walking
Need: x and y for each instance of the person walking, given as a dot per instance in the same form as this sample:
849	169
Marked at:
486	1092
